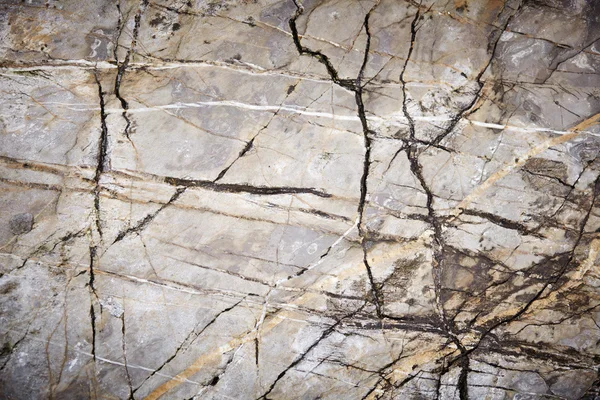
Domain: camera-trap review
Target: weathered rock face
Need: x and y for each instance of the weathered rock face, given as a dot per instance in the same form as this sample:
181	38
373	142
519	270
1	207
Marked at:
260	199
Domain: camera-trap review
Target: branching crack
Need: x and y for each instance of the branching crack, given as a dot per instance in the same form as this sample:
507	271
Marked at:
190	338
467	109
355	86
413	35
122	65
143	223
325	334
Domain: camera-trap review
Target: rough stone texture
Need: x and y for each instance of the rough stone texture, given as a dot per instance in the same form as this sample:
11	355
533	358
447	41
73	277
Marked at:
269	199
21	223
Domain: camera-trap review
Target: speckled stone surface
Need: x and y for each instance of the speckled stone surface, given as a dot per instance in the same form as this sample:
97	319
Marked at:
319	199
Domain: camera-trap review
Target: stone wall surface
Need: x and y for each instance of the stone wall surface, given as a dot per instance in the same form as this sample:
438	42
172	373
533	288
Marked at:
286	199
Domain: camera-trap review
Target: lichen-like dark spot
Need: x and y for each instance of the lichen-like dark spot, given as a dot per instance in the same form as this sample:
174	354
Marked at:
8	287
21	223
176	26
157	20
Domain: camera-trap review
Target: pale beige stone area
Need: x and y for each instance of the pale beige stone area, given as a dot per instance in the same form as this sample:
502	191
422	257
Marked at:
286	199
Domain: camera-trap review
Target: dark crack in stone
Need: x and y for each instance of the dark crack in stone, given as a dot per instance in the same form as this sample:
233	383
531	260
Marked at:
300	199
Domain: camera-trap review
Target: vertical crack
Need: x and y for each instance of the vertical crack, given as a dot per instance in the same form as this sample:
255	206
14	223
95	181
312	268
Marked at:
413	35
93	295
102	158
256	352
125	356
355	86
358	94
122	66
417	169
463	377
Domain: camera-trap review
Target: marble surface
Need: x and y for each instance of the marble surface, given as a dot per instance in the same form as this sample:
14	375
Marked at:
276	199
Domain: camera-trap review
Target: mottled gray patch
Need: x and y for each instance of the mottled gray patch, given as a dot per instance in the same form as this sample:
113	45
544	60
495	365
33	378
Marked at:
21	223
114	308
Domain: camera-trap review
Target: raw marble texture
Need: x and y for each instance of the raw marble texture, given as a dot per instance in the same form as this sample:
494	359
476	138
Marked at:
318	199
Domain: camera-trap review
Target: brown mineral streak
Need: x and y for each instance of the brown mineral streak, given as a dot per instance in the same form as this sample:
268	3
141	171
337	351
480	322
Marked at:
272	323
522	159
362	200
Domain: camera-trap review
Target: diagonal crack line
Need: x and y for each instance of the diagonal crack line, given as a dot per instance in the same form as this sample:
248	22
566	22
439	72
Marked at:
381	388
402	148
250	143
559	275
46	247
241	154
466	352
324	335
181	10
386	383
570	54
549	177
221	371
560	320
193	335
8	353
458	117
355	86
322	58
542	352
141	224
